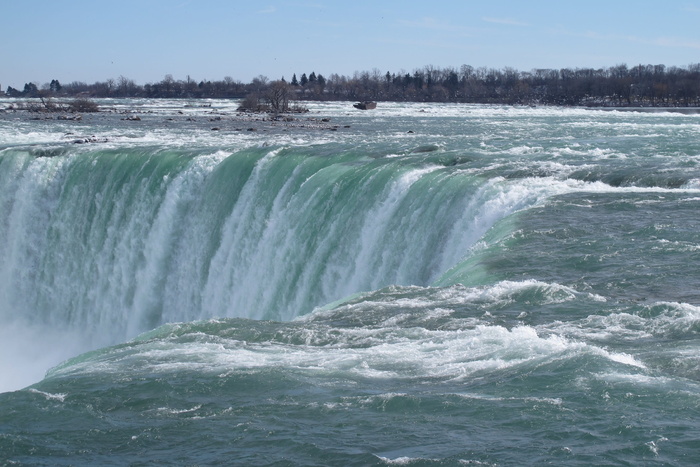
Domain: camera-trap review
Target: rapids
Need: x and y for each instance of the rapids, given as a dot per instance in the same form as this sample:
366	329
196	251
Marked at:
419	284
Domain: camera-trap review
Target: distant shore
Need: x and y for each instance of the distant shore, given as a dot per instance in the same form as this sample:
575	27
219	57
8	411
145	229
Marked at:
37	110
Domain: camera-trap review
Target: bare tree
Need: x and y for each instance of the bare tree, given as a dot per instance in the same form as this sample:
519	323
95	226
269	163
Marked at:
278	96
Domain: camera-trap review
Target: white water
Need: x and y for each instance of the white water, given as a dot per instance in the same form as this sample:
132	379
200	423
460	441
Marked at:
108	258
123	254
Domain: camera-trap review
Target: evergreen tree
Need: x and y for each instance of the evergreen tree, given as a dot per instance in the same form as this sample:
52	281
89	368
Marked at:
294	80
12	92
30	89
312	77
304	79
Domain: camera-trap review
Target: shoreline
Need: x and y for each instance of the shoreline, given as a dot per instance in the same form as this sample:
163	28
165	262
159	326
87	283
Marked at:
689	110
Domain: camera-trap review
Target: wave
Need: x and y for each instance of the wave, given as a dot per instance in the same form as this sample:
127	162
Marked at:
380	337
394	344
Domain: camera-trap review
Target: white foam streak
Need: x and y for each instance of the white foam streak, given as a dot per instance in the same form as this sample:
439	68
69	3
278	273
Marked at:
32	189
398	346
60	397
395	354
160	245
233	283
373	232
658	320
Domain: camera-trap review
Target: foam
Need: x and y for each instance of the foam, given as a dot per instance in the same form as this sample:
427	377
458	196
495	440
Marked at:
60	397
385	353
116	295
662	319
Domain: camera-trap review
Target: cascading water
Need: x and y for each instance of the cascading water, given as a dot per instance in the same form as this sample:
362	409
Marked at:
495	286
116	242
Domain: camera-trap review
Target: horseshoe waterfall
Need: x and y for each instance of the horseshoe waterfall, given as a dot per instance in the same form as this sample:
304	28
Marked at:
418	284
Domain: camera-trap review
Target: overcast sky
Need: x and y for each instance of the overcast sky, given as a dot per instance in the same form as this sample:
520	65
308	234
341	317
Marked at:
144	40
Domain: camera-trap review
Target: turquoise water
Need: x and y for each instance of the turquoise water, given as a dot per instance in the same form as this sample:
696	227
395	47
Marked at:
417	285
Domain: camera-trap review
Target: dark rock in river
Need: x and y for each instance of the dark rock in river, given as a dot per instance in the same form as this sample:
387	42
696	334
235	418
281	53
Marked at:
366	105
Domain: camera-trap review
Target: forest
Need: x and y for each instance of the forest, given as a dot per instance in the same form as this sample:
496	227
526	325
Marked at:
617	86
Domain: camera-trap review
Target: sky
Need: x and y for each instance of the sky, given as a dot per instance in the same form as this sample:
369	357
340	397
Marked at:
145	40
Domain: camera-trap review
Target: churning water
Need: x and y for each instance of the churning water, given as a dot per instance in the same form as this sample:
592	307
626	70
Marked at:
419	284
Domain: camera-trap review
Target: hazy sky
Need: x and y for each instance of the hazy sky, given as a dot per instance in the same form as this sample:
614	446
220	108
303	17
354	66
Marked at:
94	40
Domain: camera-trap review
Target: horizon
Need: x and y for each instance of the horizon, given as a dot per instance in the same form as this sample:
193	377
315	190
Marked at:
213	39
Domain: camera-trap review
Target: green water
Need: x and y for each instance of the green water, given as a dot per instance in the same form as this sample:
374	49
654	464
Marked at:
501	286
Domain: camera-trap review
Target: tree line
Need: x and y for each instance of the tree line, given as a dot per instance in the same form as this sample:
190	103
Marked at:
620	85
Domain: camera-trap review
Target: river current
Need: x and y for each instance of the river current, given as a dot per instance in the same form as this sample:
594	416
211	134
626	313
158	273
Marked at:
419	284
